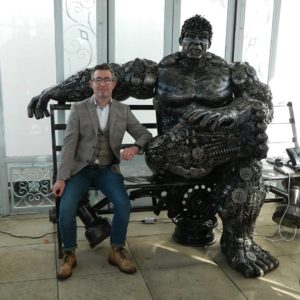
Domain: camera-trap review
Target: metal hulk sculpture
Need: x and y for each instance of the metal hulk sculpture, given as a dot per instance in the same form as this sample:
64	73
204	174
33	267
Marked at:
212	118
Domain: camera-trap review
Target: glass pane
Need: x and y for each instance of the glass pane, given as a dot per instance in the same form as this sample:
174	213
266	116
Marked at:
27	67
79	35
278	149
139	34
285	83
257	35
139	30
280	133
215	11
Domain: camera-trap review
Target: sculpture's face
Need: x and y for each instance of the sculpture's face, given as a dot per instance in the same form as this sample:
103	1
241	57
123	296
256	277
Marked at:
195	44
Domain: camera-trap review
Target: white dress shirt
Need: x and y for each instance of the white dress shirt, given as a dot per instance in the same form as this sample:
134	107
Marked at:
102	113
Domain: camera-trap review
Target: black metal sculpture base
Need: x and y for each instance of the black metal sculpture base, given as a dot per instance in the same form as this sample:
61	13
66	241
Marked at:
188	233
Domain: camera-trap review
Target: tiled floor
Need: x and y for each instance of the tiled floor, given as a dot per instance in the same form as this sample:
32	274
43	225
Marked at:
166	270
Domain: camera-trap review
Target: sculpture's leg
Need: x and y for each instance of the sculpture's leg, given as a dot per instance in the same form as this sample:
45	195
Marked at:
196	219
239	203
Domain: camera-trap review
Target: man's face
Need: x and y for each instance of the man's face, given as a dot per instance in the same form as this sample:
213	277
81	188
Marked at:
102	84
195	44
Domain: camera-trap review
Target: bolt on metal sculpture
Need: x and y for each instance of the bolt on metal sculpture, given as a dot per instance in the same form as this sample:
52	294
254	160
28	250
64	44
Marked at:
212	117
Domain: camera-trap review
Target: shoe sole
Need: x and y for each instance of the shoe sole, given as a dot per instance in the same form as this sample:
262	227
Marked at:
124	271
64	278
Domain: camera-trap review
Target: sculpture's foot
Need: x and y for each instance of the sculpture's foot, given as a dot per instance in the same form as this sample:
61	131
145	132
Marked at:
246	257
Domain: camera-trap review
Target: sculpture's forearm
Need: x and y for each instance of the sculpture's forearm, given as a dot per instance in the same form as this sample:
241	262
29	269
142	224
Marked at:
73	89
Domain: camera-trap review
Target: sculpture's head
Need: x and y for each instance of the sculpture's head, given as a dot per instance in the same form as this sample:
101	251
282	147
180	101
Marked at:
195	38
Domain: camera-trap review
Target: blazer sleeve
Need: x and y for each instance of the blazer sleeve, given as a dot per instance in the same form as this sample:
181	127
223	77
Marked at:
69	145
139	132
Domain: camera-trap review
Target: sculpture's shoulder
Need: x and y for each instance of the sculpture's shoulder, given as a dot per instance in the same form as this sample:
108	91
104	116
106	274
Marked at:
247	84
170	60
216	61
242	71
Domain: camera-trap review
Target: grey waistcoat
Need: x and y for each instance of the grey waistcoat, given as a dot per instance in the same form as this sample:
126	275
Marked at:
103	153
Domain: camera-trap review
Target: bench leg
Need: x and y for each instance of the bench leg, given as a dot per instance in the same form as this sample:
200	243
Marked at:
59	243
54	218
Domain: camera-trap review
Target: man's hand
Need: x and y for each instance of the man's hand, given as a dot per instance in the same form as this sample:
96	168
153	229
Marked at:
58	188
129	153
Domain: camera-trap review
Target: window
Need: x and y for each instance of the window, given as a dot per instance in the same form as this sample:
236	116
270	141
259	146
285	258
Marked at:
285	82
79	35
257	35
27	38
34	56
139	29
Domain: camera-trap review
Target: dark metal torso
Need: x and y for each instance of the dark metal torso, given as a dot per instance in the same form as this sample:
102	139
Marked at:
180	84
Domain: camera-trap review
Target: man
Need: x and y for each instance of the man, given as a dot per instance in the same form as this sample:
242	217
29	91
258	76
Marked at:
211	117
91	156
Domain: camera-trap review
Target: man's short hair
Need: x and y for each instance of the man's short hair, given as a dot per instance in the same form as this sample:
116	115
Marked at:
105	67
196	23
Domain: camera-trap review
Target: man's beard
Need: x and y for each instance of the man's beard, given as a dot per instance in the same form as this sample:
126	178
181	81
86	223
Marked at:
104	95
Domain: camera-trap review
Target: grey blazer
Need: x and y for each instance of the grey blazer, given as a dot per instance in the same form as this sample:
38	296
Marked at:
81	134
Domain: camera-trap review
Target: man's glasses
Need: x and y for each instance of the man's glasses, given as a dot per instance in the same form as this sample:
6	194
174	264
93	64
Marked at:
106	80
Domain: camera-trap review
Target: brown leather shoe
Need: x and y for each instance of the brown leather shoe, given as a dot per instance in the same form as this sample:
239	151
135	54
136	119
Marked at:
65	270
117	257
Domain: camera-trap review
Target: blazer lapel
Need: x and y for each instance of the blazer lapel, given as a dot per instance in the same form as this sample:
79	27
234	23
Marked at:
93	113
112	118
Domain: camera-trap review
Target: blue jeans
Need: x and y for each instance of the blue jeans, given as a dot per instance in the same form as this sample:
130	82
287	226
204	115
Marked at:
112	186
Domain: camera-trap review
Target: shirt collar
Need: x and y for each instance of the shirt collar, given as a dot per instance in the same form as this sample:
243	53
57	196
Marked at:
102	107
